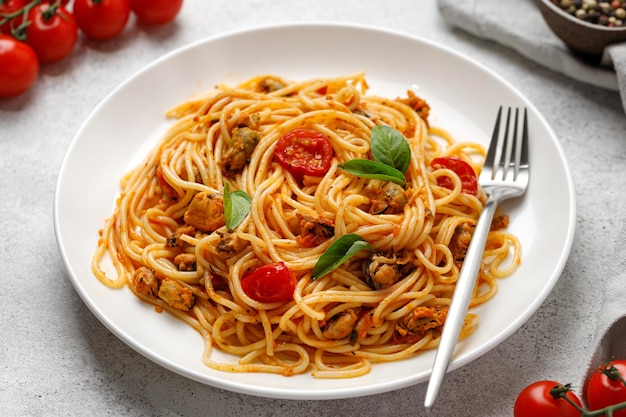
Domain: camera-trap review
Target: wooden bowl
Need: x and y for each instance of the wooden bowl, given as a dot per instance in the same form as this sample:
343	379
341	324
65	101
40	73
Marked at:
581	36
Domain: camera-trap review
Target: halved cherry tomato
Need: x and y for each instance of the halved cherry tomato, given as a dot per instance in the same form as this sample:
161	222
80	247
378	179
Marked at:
607	387
156	12
469	182
538	400
51	33
18	66
269	283
9	7
101	19
304	152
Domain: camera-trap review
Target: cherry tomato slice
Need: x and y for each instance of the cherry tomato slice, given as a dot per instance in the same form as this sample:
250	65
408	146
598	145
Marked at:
52	37
603	390
156	12
304	152
269	283
101	19
536	401
465	172
19	66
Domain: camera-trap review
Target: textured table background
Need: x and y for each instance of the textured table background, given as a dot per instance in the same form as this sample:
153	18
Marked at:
56	359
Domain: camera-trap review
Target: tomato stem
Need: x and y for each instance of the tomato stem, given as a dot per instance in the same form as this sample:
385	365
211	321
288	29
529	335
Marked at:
607	411
613	373
560	391
51	10
19	32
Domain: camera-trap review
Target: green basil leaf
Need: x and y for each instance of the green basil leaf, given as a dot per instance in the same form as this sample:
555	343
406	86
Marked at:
340	251
372	169
236	206
390	147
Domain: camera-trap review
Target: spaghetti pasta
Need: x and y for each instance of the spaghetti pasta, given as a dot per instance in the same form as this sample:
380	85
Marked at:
226	221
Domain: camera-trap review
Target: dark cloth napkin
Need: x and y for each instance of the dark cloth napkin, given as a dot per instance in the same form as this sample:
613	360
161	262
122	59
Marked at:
518	24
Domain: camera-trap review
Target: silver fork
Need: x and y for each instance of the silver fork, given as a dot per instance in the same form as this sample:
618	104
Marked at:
505	175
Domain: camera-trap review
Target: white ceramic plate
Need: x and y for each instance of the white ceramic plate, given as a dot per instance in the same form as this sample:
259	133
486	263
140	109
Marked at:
464	97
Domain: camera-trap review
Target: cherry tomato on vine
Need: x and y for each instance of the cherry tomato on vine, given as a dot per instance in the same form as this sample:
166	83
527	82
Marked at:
101	19
469	181
19	66
607	386
304	152
269	283
9	7
51	33
156	12
541	399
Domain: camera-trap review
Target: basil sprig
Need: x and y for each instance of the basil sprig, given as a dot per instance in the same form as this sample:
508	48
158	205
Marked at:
340	251
392	155
236	206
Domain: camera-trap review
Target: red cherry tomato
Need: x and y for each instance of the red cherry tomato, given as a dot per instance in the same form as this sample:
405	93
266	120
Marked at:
536	400
101	19
304	152
8	7
52	34
469	182
18	66
156	12
269	283
607	387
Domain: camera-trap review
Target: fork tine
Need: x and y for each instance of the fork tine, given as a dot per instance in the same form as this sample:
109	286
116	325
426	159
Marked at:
524	151
490	160
506	151
520	144
517	147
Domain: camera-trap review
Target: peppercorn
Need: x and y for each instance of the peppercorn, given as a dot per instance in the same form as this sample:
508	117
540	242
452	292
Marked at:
605	13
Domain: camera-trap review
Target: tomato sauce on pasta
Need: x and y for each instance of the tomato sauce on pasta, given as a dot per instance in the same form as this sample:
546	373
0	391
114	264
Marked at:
304	226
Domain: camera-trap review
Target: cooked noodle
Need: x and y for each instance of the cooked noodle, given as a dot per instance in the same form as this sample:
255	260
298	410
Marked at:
386	321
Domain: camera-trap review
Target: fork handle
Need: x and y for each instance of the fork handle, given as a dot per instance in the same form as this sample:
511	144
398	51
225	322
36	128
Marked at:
460	301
